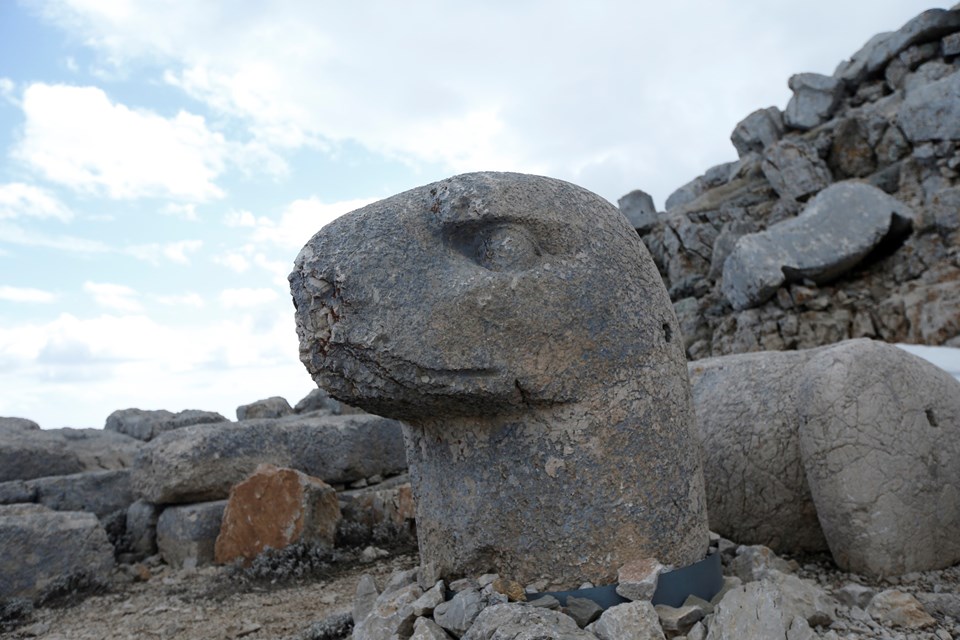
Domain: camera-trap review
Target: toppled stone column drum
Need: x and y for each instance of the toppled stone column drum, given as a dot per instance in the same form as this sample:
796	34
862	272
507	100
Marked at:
518	327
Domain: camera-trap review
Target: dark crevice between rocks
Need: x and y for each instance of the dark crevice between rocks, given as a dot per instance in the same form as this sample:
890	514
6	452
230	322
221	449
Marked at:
900	230
931	418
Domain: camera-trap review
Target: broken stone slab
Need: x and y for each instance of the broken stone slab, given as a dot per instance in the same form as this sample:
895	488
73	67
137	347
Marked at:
747	414
498	355
273	407
757	131
639	209
833	233
881	449
426	629
147	424
276	508
187	535
881	48
374	509
686	194
42	550
27	453
932	111
637	580
391	615
794	169
98	492
458	614
636	620
815	98
899	609
202	462
521	621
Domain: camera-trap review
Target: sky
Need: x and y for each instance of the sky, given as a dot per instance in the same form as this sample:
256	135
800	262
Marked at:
162	163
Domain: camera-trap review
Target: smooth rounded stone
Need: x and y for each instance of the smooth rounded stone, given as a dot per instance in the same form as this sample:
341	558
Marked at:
757	131
519	328
522	622
881	449
273	407
187	535
582	610
932	112
794	169
275	508
631	621
147	424
747	414
639	209
815	98
97	492
833	233
42	550
894	607
202	462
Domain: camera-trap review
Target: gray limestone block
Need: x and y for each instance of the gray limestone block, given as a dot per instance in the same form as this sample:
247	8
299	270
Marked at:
320	400
202	462
99	450
17	424
833	233
881	451
187	534
815	98
273	407
141	528
757	131
932	112
523	622
391	616
881	48
794	169
42	550
146	424
519	328
630	620
776	607
746	406
29	453
97	492
639	208
686	194
950	45
426	629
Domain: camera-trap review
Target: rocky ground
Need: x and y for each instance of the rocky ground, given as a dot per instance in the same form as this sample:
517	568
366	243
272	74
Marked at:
271	601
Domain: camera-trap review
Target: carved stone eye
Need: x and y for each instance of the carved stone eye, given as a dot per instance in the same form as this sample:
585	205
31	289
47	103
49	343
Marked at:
507	249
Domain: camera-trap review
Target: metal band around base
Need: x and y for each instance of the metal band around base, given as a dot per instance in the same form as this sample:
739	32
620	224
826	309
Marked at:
703	579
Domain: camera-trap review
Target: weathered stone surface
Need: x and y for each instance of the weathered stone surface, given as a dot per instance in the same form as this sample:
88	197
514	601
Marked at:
899	609
854	595
97	492
686	194
41	550
425	629
951	44
815	98
276	508
755	562
202	462
637	580
881	450
746	406
631	621
794	169
320	400
17	424
391	616
273	407
947	604
146	424
365	597
639	209
757	131
834	232
430	600
141	528
932	112
457	614
678	619
520	622
523	298
582	610
851	154
374	509
186	535
27	453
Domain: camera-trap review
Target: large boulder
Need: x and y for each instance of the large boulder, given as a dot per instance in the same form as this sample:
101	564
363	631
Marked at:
856	445
932	112
834	232
275	508
27	452
518	327
43	551
202	462
815	98
97	492
880	441
148	424
187	534
273	407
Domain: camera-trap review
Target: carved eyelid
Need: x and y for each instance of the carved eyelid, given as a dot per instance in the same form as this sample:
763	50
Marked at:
548	238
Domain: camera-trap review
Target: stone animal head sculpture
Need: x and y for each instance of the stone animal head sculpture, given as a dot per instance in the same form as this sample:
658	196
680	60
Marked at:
519	328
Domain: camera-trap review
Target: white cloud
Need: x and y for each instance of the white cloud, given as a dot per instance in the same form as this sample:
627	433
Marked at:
7	89
186	212
301	219
243	218
118	151
234	261
177	251
26	294
155	252
116	297
15	234
246	297
194	300
24	200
